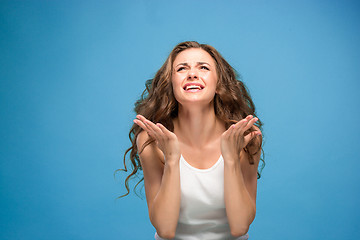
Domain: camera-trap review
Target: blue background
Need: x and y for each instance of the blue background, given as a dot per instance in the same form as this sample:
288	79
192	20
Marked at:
70	72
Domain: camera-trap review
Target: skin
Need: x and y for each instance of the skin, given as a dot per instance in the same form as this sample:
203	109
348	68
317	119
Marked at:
200	137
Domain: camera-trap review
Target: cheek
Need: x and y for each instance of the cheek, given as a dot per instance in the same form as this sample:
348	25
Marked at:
210	77
175	87
213	81
174	83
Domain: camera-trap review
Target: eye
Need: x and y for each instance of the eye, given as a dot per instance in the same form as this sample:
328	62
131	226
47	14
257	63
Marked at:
204	67
180	69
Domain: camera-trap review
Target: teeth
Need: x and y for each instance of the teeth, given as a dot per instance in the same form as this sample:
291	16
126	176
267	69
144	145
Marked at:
193	87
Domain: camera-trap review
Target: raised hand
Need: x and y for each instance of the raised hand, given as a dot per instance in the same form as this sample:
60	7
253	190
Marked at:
233	140
166	140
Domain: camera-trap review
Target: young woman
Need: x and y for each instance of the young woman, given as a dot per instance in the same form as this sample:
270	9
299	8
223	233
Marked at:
198	142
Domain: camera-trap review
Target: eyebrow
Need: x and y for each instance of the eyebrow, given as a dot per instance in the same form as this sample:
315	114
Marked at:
198	63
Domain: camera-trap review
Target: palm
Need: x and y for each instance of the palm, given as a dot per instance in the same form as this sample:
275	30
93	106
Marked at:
166	140
233	140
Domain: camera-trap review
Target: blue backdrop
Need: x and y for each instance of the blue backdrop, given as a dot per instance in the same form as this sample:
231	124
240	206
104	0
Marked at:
70	72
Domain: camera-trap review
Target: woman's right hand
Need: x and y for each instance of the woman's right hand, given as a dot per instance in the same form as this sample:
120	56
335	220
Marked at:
166	140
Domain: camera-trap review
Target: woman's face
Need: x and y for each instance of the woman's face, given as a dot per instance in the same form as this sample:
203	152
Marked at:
194	77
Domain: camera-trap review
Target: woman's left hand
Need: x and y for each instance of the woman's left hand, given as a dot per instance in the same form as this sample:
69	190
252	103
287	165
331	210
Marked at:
233	140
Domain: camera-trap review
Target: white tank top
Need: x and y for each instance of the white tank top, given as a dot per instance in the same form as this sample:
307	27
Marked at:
202	210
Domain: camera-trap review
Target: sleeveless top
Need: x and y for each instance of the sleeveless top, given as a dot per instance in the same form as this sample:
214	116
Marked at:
202	208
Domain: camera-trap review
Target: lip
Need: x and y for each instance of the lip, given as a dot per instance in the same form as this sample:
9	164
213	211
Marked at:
185	87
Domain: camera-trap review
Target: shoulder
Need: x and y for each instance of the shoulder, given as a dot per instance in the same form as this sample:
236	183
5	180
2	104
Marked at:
148	151
141	139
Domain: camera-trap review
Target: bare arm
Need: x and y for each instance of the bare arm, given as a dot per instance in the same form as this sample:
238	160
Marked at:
240	178
162	182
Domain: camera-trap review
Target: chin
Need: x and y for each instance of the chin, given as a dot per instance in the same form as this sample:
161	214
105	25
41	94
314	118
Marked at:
196	102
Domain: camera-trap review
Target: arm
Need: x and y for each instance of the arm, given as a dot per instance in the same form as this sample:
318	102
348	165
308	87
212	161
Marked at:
240	178
162	182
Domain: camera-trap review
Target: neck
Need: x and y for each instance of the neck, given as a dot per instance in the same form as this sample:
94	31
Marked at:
197	126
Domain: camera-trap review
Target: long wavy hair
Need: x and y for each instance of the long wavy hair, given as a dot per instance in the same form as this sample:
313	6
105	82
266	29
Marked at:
232	102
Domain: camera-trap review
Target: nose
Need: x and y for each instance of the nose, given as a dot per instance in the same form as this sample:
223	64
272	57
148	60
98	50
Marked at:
192	74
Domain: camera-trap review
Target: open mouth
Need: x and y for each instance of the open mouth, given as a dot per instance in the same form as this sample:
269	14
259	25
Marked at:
193	87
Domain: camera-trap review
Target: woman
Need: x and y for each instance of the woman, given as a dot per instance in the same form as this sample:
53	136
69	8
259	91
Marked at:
198	141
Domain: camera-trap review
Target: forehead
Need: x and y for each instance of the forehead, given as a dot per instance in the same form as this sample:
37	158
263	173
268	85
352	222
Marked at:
194	55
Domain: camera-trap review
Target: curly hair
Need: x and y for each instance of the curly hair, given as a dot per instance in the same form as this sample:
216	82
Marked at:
232	102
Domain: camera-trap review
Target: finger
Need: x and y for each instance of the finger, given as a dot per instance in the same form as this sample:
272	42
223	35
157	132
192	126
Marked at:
239	126
229	131
240	123
250	136
248	117
145	128
164	129
147	124
250	124
243	126
141	117
141	124
155	129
